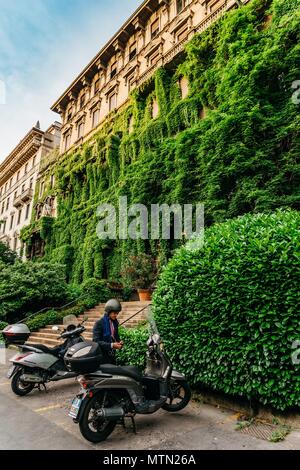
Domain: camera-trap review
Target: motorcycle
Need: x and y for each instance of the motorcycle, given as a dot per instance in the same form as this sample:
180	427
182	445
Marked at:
112	393
37	364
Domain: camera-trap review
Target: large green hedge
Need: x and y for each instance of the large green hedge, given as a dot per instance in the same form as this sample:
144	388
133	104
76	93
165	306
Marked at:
229	312
232	143
27	287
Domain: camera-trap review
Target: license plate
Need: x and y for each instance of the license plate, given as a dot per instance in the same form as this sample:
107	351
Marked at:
75	407
10	372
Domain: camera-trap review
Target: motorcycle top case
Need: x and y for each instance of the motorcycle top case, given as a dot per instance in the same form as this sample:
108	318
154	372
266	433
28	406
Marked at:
84	358
16	334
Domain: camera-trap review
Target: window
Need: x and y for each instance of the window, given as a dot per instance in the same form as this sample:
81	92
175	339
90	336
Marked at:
2	209
96	117
31	183
16	195
155	109
27	211
112	102
113	70
131	124
69	116
12	221
18	176
155	29
132	51
1	192
182	35
80	129
4	226
67	141
5	187
154	58
15	244
7	203
52	181
82	101
19	216
23	188
42	188
33	162
181	4
10	182
26	169
131	83
97	86
184	87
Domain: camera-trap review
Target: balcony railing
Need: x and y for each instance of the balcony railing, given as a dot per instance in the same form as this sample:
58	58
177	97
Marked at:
24	197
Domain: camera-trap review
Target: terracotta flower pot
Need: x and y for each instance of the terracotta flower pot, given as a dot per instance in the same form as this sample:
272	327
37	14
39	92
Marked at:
144	294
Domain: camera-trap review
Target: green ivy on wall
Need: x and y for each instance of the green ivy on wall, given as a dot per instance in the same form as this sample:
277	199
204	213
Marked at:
232	143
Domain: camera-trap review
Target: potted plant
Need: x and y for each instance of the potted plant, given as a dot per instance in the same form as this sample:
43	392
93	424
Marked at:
140	273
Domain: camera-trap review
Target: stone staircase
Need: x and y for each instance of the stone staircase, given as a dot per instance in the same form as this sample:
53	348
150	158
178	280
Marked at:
50	338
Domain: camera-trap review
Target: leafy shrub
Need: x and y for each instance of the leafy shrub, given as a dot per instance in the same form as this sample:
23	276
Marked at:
139	272
229	312
2	326
28	287
52	317
7	256
94	292
135	347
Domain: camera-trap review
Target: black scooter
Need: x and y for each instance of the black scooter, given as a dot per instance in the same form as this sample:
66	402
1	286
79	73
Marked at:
114	393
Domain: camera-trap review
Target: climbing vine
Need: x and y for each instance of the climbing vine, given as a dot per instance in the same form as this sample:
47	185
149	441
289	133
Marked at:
232	143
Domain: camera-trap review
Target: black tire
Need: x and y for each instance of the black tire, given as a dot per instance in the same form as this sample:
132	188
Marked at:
97	430
175	392
18	387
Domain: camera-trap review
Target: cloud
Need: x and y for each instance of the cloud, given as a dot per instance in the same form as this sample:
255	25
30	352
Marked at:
44	44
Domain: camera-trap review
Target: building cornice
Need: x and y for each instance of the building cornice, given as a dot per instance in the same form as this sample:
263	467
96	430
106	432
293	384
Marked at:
25	149
136	21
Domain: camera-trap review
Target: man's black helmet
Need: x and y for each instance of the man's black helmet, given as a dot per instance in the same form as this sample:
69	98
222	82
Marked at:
113	305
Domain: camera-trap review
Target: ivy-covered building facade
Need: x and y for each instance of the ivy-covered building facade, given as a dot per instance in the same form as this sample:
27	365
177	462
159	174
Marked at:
216	124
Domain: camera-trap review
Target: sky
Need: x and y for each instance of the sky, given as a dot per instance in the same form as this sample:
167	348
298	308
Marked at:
44	45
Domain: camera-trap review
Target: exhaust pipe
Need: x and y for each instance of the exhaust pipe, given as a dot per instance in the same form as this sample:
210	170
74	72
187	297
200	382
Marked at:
30	378
114	413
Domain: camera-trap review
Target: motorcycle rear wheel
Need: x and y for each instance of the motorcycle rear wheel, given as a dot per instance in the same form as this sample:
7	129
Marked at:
179	390
19	387
95	429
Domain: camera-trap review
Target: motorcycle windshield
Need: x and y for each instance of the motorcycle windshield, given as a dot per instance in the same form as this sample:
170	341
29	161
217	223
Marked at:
70	320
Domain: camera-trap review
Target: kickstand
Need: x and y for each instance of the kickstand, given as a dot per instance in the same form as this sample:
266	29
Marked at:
42	385
123	423
133	424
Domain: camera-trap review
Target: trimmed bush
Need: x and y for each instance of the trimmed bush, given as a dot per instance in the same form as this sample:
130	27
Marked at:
229	312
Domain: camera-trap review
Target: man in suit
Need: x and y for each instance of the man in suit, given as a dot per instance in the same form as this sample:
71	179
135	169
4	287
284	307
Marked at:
106	332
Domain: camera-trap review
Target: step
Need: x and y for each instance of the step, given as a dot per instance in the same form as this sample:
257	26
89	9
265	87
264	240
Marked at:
46	341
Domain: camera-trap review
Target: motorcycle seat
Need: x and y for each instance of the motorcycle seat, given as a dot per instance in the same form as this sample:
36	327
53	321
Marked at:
53	351
127	371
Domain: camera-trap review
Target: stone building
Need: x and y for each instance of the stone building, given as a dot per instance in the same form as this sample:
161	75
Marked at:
18	176
152	37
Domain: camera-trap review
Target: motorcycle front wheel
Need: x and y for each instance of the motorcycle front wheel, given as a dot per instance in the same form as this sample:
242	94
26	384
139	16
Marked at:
178	397
19	387
92	427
